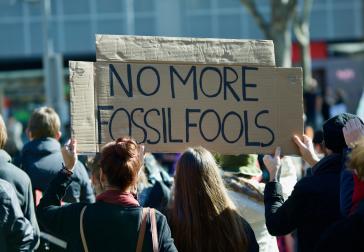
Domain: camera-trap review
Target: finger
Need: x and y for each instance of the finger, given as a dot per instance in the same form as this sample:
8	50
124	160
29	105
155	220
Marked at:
277	153
74	149
357	123
298	142
306	139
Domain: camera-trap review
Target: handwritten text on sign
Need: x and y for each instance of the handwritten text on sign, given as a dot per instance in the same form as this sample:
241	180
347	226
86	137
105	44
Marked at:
231	109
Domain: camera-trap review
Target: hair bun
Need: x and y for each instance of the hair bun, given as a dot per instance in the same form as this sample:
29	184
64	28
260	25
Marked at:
125	147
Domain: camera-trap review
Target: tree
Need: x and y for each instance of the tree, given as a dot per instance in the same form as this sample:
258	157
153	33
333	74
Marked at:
284	15
278	28
301	29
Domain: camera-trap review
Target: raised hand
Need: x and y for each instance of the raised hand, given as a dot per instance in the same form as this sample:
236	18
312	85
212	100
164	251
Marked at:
273	164
306	149
69	153
353	132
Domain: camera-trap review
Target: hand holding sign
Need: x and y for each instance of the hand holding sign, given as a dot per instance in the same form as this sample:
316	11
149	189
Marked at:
69	153
273	164
306	149
353	132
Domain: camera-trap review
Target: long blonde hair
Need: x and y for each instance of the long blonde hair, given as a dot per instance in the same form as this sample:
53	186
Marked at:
203	218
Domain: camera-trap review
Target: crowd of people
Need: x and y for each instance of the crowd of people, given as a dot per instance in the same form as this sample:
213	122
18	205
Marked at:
122	199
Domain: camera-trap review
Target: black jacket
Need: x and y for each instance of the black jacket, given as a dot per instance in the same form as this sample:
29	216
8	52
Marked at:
21	182
312	207
16	232
108	227
345	235
41	159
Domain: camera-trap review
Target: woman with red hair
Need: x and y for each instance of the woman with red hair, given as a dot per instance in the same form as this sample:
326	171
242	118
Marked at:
115	222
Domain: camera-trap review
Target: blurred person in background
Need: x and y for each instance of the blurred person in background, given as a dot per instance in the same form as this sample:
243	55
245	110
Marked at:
41	158
16	232
203	217
14	144
22	184
242	178
156	189
245	181
347	234
116	222
352	176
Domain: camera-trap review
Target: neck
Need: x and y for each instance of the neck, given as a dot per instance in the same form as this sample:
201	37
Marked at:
117	188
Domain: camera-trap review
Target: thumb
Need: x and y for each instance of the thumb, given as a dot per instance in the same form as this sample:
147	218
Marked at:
277	153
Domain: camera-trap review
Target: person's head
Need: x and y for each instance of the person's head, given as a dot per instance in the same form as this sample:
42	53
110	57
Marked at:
356	161
202	210
120	162
333	132
44	122
3	133
245	165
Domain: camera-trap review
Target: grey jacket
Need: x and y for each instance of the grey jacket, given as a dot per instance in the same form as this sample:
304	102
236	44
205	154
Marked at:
16	232
23	187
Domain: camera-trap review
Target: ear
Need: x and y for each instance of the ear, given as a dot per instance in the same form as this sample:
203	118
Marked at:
58	135
29	134
103	178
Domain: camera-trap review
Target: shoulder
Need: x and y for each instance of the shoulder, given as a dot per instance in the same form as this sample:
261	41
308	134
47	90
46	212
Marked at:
15	174
7	194
80	170
160	218
162	222
5	188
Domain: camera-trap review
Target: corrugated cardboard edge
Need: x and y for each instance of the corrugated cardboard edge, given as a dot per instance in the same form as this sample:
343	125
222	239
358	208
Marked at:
295	77
82	105
154	49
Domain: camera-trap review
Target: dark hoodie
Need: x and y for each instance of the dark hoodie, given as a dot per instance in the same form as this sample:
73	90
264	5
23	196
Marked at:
42	159
345	235
312	207
21	182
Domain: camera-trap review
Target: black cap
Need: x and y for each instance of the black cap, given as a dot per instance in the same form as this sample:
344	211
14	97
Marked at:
333	131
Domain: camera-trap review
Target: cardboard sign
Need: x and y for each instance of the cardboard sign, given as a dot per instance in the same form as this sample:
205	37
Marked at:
231	109
154	49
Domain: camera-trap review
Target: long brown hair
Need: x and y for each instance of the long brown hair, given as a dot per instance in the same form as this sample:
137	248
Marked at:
203	218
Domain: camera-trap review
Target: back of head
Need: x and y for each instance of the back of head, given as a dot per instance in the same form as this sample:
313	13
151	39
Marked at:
44	122
121	161
203	217
3	133
333	132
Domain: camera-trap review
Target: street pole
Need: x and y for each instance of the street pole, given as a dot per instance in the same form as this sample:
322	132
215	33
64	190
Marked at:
130	17
52	68
46	44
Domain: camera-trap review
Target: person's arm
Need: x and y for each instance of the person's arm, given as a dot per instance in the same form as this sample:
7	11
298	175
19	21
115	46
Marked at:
281	217
50	213
18	230
29	213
